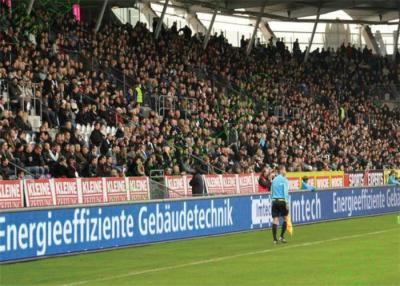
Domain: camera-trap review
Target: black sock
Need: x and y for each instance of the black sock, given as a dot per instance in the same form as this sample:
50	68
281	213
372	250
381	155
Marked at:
274	229
283	228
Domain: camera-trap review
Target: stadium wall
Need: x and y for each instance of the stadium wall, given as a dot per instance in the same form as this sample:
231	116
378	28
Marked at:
30	234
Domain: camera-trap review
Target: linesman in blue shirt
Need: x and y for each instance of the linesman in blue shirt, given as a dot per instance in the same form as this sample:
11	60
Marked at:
280	202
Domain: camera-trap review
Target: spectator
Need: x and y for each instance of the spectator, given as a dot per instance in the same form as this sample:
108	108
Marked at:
197	183
392	180
265	108
71	168
6	171
264	181
306	186
96	137
91	168
61	168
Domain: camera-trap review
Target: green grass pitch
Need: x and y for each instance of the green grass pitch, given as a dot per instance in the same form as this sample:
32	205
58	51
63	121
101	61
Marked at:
364	251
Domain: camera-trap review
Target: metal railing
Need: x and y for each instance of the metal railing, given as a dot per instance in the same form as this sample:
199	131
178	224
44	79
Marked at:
21	169
160	190
120	78
165	103
210	167
26	104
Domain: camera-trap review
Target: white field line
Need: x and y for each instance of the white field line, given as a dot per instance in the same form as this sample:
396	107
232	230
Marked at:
223	258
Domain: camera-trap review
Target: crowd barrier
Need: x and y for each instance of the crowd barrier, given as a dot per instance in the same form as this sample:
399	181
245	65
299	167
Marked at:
248	183
34	233
368	178
63	191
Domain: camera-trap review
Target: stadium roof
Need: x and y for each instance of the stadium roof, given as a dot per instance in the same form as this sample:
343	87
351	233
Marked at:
361	11
289	10
372	11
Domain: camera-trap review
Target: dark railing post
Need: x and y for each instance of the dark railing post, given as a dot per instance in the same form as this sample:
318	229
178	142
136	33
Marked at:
124	84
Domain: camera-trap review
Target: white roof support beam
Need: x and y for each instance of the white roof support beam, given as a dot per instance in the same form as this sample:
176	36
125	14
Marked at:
381	44
28	12
100	18
195	23
148	12
207	37
370	40
253	36
396	40
312	35
266	30
160	21
191	18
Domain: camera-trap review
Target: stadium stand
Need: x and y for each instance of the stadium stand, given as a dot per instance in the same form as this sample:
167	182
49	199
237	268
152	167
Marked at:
66	112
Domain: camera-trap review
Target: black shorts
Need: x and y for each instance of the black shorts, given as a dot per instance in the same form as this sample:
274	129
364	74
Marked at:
279	208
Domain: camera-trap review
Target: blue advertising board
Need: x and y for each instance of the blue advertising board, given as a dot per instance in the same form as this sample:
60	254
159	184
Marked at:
30	234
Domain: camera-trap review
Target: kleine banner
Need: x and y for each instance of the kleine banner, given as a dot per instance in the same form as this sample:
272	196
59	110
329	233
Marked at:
38	193
138	188
188	178
230	184
246	184
93	191
11	195
66	191
214	184
115	189
176	185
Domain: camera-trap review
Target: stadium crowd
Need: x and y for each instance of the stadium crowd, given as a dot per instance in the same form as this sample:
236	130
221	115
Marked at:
225	111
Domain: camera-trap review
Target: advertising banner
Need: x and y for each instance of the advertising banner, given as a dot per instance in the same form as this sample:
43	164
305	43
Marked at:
188	178
11	195
116	190
66	191
38	193
93	191
337	181
318	179
355	179
138	188
246	184
177	186
322	182
295	183
36	233
230	184
375	178
214	184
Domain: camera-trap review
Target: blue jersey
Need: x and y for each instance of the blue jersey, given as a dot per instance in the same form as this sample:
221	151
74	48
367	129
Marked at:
305	186
392	181
280	188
